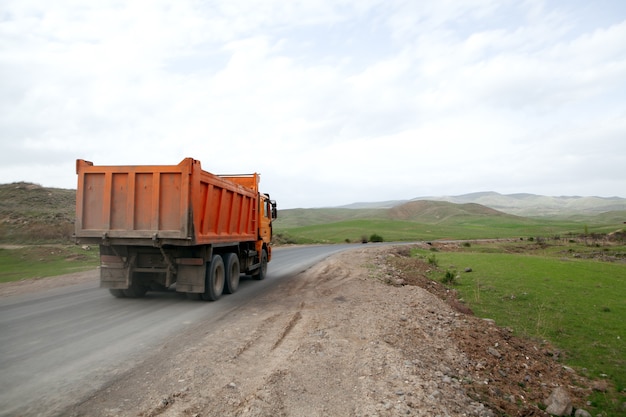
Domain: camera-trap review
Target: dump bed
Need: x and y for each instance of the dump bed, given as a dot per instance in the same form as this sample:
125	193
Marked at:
164	204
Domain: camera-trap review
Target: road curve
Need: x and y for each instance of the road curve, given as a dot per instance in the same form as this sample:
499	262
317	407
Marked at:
58	346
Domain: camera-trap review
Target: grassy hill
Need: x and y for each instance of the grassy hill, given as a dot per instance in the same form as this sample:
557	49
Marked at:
310	217
521	204
30	213
441	212
429	220
532	205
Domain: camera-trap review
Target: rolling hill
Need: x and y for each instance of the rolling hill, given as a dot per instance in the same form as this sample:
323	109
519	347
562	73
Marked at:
527	205
425	219
538	205
32	213
432	212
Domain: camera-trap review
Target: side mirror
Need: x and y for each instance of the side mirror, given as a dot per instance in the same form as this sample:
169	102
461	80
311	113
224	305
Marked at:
274	211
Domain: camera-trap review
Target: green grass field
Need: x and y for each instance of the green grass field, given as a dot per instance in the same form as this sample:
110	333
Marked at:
45	261
562	292
404	230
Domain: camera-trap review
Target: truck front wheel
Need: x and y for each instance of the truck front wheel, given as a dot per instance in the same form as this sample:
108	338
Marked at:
260	274
231	263
215	275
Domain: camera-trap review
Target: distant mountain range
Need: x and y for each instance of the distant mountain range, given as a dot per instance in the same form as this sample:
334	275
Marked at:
528	205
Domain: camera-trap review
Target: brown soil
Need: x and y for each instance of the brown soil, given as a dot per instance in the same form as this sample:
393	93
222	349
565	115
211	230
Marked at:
363	333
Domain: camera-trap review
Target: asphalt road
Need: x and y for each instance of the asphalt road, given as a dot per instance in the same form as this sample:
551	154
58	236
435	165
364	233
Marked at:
58	346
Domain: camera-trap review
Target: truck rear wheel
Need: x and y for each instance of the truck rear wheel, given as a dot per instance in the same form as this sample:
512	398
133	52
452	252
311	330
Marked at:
215	275
260	274
117	293
231	264
135	290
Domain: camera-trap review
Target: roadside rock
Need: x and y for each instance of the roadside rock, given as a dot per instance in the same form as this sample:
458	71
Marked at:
600	386
582	413
493	352
559	403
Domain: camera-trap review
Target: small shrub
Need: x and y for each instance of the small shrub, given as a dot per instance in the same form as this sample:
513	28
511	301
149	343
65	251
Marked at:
450	277
467	244
376	238
432	260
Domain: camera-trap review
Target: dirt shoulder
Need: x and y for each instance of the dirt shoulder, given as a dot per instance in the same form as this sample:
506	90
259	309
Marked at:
339	340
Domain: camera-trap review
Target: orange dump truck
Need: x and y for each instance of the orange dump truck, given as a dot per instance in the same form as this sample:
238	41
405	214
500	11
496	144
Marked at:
165	224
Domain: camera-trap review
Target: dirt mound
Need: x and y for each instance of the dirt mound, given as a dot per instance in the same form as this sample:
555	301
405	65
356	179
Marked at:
509	374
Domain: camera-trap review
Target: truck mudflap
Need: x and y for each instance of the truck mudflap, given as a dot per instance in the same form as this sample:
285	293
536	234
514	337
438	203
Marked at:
191	278
115	272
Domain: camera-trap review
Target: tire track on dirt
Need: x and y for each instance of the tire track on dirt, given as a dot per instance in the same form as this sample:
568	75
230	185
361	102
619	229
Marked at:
292	322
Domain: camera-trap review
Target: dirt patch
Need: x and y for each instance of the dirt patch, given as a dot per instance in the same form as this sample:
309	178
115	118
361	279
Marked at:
338	340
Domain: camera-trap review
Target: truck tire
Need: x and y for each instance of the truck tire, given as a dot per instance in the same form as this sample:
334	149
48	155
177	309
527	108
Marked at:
231	265
260	274
117	293
135	290
215	275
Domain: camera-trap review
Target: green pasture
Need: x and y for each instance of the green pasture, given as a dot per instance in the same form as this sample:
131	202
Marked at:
21	262
567	293
458	228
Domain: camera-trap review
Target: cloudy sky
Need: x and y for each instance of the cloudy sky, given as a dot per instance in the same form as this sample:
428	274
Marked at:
332	101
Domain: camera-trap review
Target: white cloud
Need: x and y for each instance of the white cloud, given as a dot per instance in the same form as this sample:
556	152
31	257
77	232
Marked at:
333	102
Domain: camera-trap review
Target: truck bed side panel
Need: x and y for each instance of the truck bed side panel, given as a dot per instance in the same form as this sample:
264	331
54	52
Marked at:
225	210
